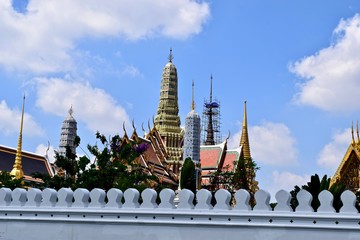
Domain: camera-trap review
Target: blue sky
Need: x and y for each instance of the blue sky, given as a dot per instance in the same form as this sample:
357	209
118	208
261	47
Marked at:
296	63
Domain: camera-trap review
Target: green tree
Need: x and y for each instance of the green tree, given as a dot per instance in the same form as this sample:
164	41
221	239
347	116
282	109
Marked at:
314	187
241	178
188	175
115	165
8	181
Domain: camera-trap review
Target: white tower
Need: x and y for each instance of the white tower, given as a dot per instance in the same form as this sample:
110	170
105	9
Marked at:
192	133
68	134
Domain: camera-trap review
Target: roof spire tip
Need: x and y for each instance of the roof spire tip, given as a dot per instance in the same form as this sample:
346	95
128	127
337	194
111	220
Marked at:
170	56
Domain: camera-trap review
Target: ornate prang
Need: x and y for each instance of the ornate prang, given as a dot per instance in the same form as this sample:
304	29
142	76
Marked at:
167	120
192	136
68	133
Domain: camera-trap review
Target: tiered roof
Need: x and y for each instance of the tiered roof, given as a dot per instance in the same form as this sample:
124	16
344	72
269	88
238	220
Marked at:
31	162
153	159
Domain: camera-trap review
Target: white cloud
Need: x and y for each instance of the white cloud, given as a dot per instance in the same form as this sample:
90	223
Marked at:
43	38
131	71
93	106
283	180
331	76
10	122
270	143
333	152
46	150
234	140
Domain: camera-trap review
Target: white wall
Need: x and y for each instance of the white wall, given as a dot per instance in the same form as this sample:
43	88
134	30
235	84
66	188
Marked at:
81	214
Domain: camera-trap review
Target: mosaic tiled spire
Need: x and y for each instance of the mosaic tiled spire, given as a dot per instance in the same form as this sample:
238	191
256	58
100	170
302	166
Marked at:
192	133
167	120
68	134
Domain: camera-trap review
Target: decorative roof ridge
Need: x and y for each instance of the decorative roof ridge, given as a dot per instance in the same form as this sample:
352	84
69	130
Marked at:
144	139
238	150
23	151
349	150
220	145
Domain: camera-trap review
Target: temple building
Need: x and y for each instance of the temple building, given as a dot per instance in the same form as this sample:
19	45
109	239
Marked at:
153	160
176	145
348	172
22	164
218	158
68	133
167	120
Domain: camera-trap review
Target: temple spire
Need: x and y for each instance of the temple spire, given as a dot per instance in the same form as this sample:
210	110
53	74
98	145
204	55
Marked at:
68	133
244	141
211	78
170	56
352	134
167	121
192	138
17	171
192	97
357	132
71	111
210	128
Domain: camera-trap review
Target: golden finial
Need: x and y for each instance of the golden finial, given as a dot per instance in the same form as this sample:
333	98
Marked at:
142	126
124	129
133	125
17	171
192	99
352	133
244	140
228	136
170	56
149	125
143	129
71	111
245	116
357	132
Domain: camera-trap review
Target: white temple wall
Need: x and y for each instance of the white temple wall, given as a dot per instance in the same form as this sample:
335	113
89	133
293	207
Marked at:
81	214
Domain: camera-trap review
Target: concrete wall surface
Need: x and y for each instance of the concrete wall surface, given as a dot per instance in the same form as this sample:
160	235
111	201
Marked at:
80	214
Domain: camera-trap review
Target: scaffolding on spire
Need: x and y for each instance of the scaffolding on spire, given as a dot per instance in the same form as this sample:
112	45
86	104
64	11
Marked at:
211	134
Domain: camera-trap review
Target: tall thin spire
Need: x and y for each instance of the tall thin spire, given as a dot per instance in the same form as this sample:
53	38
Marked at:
210	129
68	133
357	131
192	98
71	111
17	171
211	77
170	56
167	121
244	141
352	133
192	138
